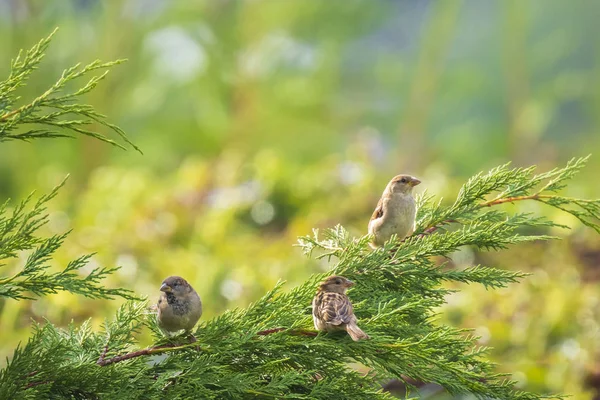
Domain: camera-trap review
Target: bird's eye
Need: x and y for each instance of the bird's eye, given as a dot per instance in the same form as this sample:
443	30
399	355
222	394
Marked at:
403	180
338	281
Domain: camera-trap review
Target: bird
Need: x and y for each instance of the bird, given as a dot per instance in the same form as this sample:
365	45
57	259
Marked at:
179	306
395	212
332	310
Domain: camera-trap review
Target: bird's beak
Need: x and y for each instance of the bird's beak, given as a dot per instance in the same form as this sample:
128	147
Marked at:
165	288
414	182
349	283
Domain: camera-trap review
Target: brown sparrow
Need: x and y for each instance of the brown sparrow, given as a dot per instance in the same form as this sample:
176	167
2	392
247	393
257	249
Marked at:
332	310
395	212
179	306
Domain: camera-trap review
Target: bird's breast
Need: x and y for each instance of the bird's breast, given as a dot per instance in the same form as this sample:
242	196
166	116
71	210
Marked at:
400	216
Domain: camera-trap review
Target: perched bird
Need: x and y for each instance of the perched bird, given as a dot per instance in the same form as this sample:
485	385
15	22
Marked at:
395	212
332	310
179	306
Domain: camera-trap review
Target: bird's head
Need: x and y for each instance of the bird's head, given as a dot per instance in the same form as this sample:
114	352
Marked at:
403	183
336	284
176	285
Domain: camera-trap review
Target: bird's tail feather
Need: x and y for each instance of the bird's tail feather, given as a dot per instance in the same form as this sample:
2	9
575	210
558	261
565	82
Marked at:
356	333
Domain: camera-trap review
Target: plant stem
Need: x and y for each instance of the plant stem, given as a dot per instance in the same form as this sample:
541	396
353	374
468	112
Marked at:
167	348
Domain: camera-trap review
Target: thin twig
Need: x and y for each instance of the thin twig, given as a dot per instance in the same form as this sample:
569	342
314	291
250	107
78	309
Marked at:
11	113
103	355
34	384
489	203
434	228
270	331
294	332
516	198
144	352
167	348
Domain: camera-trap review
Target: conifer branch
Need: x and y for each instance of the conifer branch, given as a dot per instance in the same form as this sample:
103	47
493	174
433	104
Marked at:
511	185
56	112
270	331
52	114
102	361
18	233
289	331
269	349
146	352
394	298
495	202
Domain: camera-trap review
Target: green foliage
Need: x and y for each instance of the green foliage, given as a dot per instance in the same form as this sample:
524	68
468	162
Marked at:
511	185
18	233
19	228
52	113
329	106
269	348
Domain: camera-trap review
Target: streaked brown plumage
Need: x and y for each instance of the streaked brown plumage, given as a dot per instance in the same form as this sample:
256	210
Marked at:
395	212
332	309
179	306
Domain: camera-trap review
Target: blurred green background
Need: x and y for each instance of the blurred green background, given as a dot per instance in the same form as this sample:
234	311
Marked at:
260	120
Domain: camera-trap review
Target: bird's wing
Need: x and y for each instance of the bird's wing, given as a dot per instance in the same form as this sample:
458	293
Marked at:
336	309
378	213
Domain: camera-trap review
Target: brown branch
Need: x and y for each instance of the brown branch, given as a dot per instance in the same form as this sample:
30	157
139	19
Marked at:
6	116
434	228
34	384
489	203
166	348
103	355
144	352
513	199
39	101
270	331
294	332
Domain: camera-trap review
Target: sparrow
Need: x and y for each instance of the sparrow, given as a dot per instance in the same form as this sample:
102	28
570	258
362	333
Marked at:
179	306
396	211
332	310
